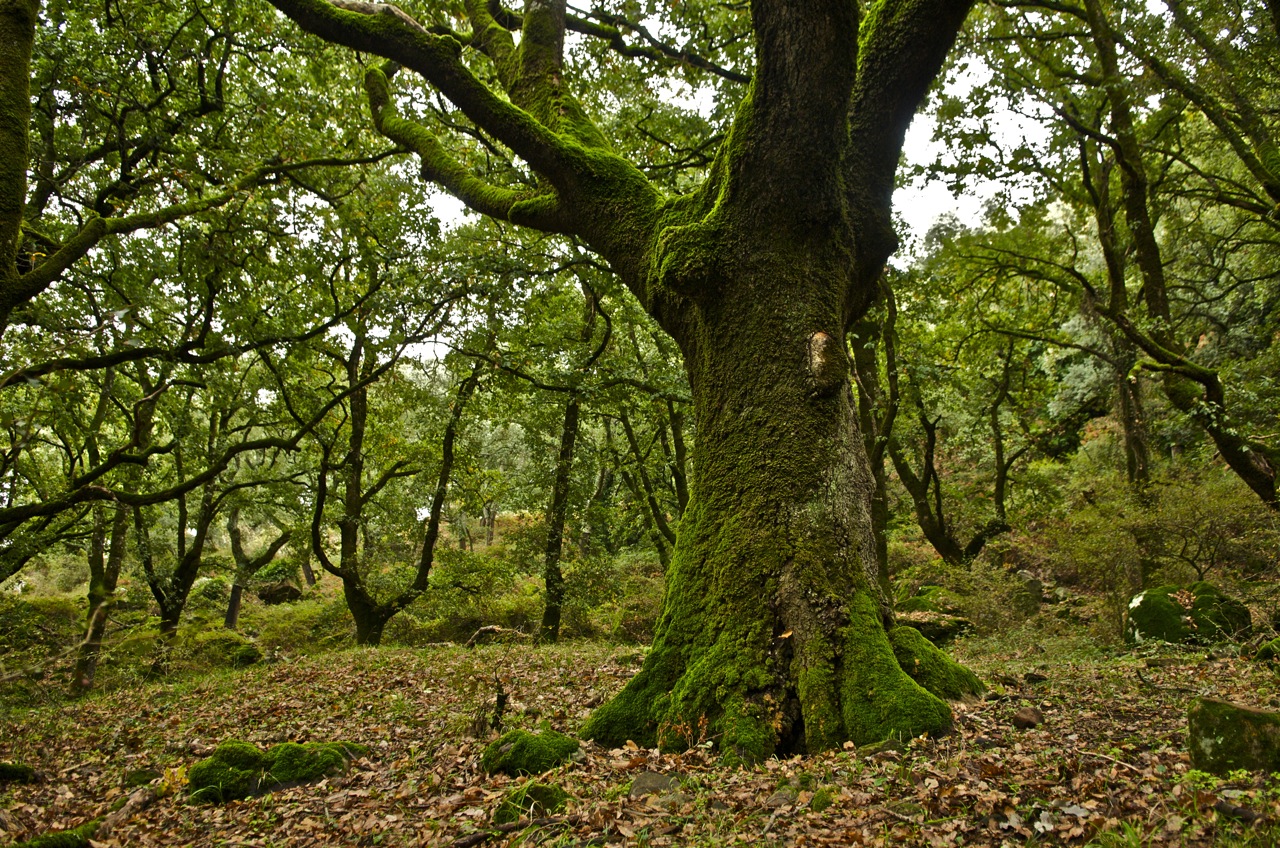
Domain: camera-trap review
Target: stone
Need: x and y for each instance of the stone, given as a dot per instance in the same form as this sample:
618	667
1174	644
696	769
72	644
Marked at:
521	752
533	800
1198	613
1027	718
1223	737
279	592
238	769
1269	651
784	797
652	783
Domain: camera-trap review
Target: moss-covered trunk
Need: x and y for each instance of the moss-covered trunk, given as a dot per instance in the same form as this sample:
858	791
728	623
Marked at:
104	573
772	637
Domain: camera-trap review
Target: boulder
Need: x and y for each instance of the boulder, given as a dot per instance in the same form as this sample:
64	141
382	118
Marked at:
279	592
521	752
1269	651
531	799
652	783
1223	737
238	769
1186	614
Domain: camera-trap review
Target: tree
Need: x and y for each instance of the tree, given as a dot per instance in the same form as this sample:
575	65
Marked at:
1159	139
774	630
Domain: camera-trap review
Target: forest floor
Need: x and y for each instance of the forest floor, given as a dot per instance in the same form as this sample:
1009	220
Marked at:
1106	766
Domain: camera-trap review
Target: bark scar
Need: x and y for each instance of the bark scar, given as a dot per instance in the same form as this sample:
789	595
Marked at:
828	364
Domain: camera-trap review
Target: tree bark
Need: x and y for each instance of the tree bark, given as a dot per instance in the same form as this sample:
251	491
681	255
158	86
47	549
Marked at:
557	512
104	575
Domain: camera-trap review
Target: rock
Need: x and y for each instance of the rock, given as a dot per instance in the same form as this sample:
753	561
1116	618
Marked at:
887	747
1182	614
1223	737
1269	651
16	773
784	797
532	799
938	627
652	783
238	770
521	752
1027	718
279	592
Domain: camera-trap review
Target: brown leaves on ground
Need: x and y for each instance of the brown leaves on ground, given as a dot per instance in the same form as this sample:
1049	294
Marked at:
1106	764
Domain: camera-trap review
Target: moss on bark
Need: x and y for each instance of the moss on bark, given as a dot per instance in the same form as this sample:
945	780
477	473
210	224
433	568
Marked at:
932	668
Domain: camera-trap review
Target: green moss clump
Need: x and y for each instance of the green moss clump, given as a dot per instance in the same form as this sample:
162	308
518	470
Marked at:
235	770
932	668
75	838
1196	613
532	799
225	649
238	769
521	752
1223	737
1269	651
16	773
822	799
294	763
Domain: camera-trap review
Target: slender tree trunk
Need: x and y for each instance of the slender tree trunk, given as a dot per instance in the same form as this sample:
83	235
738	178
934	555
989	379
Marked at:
557	514
104	574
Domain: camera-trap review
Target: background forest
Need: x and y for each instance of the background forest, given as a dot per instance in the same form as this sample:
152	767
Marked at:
260	400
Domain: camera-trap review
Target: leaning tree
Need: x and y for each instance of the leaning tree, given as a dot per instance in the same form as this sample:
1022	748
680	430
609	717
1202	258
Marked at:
774	635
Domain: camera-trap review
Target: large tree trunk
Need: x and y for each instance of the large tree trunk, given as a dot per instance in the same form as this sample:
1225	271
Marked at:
773	632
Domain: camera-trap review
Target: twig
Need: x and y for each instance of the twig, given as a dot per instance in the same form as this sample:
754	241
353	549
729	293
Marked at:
494	630
1110	759
484	836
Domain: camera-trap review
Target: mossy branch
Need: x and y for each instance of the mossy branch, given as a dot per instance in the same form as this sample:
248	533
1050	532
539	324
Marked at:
540	210
384	30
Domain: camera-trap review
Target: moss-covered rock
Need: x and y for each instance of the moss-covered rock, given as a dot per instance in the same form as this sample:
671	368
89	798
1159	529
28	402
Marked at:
930	667
1182	614
1269	651
77	837
16	773
235	770
531	799
224	649
521	752
140	777
238	769
1223	737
